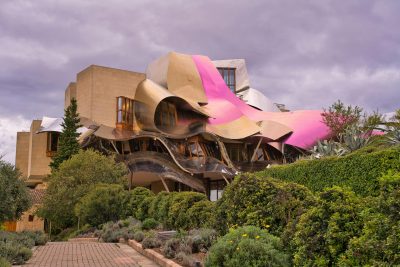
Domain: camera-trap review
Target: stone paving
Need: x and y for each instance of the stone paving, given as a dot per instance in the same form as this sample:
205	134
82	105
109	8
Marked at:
88	254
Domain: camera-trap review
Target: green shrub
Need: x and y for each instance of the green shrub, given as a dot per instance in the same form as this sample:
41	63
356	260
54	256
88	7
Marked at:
266	203
186	260
247	246
149	223
324	231
201	214
143	210
16	247
138	236
359	170
105	202
378	244
181	202
151	242
202	239
171	248
135	198
4	262
160	205
39	238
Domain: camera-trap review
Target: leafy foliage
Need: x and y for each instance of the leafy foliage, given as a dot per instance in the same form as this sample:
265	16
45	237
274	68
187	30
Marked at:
379	242
324	231
72	180
358	171
135	198
68	143
149	223
181	202
14	198
247	246
105	202
339	117
266	203
16	247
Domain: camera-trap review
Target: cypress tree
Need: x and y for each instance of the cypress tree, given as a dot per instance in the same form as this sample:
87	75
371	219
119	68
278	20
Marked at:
68	143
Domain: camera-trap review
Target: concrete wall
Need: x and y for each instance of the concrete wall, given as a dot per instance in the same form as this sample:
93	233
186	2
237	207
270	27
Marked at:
97	89
22	152
38	165
70	93
23	224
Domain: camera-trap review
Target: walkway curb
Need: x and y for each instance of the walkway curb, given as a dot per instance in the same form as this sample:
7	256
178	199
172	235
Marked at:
152	255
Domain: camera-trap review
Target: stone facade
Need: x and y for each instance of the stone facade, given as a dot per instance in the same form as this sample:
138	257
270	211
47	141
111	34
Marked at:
97	89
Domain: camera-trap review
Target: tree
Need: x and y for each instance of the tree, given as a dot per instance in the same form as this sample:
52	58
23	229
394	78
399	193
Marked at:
339	117
14	198
73	179
105	202
68	144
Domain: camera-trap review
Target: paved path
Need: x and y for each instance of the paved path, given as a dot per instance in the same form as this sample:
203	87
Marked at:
88	254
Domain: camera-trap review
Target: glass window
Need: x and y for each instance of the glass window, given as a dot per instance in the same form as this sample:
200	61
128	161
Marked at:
125	108
167	115
216	189
229	76
52	143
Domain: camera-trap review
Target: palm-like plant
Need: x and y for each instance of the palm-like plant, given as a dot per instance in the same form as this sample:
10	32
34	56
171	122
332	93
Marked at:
327	148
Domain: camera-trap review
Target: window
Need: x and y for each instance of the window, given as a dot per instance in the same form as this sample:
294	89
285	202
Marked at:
216	189
52	143
30	218
236	152
166	115
125	108
229	76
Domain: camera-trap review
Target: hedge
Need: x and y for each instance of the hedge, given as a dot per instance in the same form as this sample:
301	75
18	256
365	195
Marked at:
358	171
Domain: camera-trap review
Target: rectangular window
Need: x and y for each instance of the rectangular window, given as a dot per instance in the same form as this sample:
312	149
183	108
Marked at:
125	107
30	218
52	143
166	115
216	189
229	76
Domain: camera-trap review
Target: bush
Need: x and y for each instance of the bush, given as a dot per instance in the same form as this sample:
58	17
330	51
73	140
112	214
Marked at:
39	238
324	231
186	260
201	214
149	223
160	205
135	198
151	242
266	203
105	202
378	244
138	236
4	262
202	239
247	246
171	248
143	210
359	170
16	247
180	203
72	180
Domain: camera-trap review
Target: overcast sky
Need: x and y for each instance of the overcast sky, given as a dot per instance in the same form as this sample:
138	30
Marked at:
305	54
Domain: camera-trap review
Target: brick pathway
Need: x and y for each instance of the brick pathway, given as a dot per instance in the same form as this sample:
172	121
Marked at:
88	254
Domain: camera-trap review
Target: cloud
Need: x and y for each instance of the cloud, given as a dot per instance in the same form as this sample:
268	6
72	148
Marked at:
304	53
8	135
